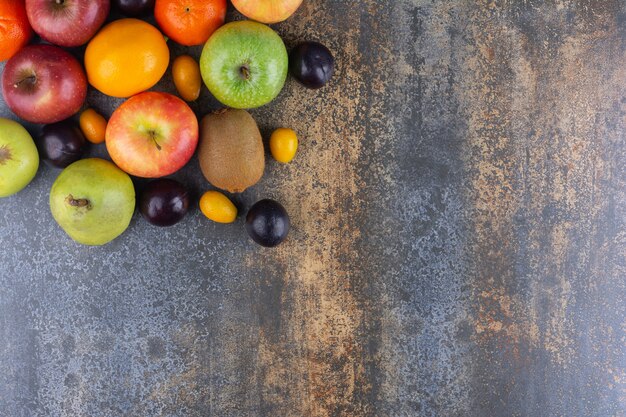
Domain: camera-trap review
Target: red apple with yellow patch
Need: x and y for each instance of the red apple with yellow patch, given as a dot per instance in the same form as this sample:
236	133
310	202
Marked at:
267	11
152	135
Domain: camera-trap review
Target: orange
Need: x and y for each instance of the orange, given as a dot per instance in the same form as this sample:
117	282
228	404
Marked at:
190	22
126	57
187	78
93	125
15	31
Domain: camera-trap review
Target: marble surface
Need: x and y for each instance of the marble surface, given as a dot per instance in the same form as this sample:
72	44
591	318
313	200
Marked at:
458	242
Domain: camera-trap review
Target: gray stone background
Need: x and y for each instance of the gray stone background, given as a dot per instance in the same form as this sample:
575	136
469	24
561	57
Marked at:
458	243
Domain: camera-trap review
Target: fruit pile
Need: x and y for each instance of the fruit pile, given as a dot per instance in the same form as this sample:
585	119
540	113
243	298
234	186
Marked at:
244	64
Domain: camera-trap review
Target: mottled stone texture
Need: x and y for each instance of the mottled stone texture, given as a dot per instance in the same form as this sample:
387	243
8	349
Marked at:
458	244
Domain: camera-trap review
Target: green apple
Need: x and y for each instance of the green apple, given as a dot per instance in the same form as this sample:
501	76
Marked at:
244	64
93	201
19	159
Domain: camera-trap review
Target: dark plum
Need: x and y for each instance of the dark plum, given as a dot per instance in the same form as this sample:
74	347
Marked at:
134	8
164	202
267	223
61	143
312	64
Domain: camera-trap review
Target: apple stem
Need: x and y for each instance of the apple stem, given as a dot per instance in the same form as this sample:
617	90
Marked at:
60	1
77	202
153	137
245	72
31	79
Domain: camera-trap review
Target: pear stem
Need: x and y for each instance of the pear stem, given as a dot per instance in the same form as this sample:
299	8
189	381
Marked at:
5	154
77	202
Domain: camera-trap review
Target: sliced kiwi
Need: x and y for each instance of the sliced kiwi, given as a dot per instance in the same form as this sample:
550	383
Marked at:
231	150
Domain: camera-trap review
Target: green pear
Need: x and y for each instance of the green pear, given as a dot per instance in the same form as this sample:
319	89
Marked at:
19	159
93	201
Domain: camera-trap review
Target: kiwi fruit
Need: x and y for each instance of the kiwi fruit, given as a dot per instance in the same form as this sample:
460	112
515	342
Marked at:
231	150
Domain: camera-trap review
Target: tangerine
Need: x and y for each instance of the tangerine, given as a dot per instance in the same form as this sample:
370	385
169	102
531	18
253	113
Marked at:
190	22
15	30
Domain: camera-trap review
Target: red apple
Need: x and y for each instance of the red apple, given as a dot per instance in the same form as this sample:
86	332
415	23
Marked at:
152	135
267	11
44	84
67	22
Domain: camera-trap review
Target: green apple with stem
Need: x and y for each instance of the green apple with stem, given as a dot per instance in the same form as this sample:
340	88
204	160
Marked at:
19	159
244	64
93	201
